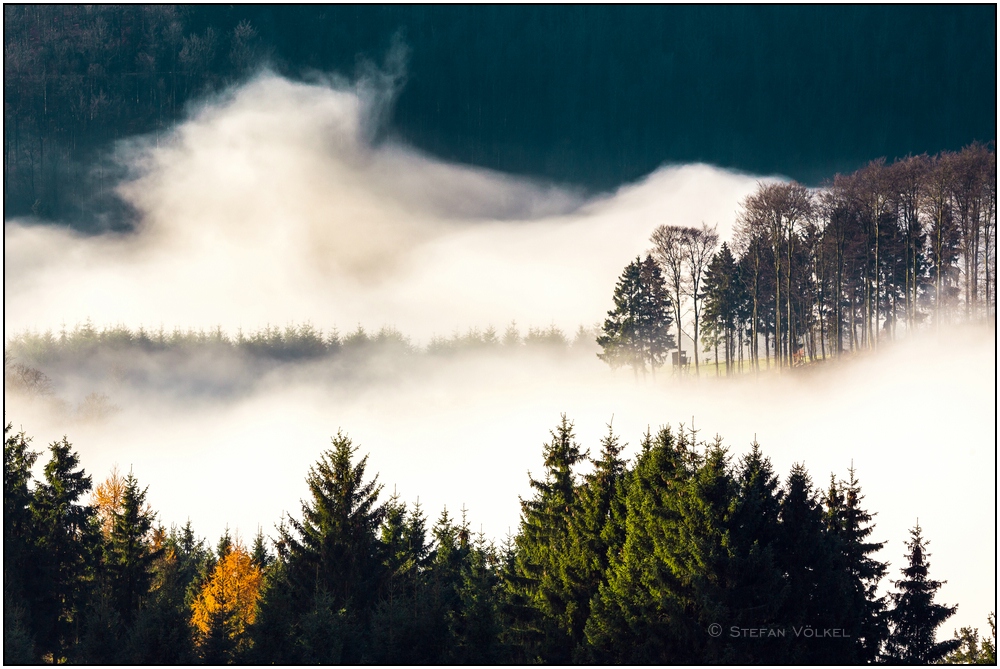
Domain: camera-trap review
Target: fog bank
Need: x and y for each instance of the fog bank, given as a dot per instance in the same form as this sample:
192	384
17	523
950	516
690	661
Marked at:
269	206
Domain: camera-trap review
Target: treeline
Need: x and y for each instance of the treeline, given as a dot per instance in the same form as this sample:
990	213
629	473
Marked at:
683	556
293	342
813	274
79	77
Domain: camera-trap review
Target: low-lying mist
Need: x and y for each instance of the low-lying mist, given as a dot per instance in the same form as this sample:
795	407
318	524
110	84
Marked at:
463	428
269	206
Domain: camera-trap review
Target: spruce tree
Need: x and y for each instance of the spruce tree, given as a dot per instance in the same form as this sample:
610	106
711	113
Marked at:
972	650
755	582
331	565
816	591
129	554
851	526
722	294
636	332
19	546
619	339
596	532
334	548
915	617
638	615
68	539
655	317
539	592
474	624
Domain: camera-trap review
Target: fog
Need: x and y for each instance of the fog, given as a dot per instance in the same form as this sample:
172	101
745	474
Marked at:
270	206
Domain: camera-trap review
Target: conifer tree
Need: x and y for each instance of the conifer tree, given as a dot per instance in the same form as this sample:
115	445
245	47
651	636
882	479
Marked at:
638	613
815	591
129	554
539	591
259	553
474	624
851	526
971	650
637	331
161	633
407	554
19	546
915	617
334	548
722	295
754	579
596	532
330	566
68	540
227	606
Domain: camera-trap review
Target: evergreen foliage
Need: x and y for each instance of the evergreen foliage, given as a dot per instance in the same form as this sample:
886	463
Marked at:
915	616
539	582
68	541
971	650
673	558
637	331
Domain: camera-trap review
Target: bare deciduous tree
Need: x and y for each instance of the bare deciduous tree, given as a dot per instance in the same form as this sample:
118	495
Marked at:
699	246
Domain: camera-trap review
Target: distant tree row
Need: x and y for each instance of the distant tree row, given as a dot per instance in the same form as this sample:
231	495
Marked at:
674	558
814	274
293	342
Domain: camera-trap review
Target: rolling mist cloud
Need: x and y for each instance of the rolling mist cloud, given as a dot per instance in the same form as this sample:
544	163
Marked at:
270	205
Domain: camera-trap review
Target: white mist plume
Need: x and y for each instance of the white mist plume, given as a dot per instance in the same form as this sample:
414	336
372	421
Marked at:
268	206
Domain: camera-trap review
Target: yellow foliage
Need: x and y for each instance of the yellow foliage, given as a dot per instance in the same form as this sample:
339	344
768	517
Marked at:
230	594
107	499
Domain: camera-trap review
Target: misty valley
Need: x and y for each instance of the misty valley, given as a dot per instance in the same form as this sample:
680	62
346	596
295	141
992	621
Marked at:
514	334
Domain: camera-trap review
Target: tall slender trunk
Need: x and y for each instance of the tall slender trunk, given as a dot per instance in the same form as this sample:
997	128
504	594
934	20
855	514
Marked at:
788	291
776	245
878	284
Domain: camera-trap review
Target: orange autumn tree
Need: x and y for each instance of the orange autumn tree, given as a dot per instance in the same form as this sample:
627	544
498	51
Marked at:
107	499
226	605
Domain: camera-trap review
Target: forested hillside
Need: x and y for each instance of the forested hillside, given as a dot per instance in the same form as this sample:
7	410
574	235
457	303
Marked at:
590	95
814	274
684	555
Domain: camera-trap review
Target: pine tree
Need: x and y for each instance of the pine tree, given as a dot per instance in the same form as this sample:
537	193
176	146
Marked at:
851	526
640	614
596	533
67	542
330	566
129	554
538	590
636	332
914	617
815	590
19	546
